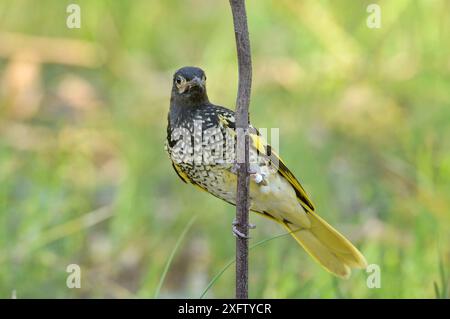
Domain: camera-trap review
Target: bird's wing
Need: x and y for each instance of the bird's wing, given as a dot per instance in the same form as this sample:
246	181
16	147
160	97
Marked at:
264	149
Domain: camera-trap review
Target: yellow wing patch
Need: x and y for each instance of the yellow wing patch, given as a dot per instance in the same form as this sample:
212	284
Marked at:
227	123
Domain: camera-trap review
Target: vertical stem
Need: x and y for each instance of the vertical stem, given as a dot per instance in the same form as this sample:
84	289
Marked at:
242	150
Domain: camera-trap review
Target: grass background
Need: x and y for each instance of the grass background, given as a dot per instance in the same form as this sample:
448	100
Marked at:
364	120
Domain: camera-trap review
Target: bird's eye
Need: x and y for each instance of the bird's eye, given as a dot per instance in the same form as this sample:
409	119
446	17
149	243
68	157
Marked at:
179	80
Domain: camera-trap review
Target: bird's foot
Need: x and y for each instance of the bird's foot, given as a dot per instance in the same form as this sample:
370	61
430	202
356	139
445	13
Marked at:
238	233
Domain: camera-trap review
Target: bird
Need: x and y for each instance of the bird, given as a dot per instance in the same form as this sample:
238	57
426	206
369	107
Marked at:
201	138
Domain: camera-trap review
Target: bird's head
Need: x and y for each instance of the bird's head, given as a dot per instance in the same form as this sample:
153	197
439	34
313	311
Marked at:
189	85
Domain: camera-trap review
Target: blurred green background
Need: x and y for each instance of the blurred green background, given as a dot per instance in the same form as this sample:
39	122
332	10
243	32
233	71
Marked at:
364	118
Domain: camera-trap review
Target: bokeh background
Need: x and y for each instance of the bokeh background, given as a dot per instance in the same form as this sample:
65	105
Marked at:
364	118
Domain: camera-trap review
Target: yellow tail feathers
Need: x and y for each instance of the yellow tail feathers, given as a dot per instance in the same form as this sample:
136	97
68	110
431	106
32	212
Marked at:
327	246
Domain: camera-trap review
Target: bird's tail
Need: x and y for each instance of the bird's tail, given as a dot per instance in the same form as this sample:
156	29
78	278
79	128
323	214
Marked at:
327	246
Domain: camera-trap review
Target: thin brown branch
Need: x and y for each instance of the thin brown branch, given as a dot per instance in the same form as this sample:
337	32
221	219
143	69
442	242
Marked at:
242	150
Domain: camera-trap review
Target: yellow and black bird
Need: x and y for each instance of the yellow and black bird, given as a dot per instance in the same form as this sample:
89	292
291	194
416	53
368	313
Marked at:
200	142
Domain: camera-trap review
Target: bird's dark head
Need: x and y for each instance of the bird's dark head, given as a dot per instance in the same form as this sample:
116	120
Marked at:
189	86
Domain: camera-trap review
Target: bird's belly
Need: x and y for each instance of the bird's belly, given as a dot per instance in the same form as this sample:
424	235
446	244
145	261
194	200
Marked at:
216	179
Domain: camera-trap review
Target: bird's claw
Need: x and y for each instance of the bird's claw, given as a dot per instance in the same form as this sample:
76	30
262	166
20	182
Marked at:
238	233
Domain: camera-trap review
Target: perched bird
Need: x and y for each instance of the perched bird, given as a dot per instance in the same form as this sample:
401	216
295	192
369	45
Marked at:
200	142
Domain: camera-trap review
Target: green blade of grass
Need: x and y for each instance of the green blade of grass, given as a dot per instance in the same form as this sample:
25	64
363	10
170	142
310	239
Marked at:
436	290
172	255
444	279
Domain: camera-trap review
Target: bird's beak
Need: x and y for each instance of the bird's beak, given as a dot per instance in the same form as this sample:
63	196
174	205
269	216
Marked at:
197	82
